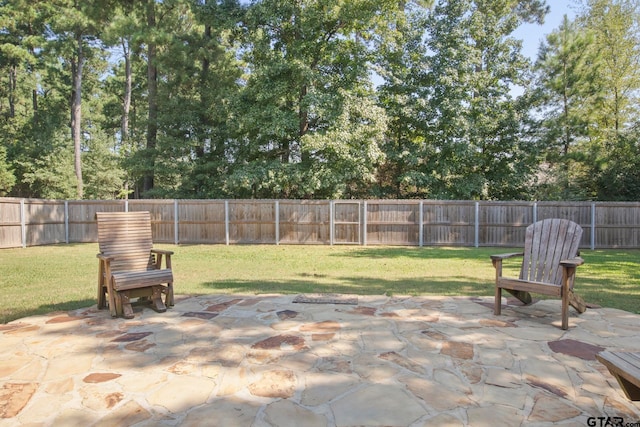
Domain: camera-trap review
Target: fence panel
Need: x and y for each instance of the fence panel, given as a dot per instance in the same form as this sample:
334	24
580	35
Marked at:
347	222
201	221
450	223
504	224
82	218
578	212
162	214
252	221
10	223
45	222
393	222
617	225
304	221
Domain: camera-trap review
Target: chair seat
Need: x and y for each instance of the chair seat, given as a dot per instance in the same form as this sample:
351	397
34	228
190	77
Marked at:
528	286
134	279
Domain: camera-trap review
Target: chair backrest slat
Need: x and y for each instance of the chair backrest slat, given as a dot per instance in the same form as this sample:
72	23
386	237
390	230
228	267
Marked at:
547	242
127	236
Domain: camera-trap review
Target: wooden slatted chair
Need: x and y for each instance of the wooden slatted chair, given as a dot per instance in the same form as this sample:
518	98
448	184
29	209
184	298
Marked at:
128	265
549	263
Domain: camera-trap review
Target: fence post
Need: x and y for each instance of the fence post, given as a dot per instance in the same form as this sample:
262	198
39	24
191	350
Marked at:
126	205
421	220
364	223
176	236
277	219
226	222
593	226
535	212
476	228
331	222
23	225
66	222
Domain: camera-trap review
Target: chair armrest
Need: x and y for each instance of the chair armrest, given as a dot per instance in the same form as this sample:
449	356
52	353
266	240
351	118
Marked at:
506	256
103	257
575	262
161	251
158	259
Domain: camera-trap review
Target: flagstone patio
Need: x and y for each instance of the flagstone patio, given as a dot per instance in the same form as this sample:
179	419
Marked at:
246	360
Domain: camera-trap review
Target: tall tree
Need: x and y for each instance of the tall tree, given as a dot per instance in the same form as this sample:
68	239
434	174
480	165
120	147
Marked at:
38	100
589	80
203	90
403	93
152	96
567	95
309	68
75	36
22	24
465	135
615	26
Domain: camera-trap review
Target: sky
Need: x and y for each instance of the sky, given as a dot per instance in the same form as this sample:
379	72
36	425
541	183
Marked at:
532	35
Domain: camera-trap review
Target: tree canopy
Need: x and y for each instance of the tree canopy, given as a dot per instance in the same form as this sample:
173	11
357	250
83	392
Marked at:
317	99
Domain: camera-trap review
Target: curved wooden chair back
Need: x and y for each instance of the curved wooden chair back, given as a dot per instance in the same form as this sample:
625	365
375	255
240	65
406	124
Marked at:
125	236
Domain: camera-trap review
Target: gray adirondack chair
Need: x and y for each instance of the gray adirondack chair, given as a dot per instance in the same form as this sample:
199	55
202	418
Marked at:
549	263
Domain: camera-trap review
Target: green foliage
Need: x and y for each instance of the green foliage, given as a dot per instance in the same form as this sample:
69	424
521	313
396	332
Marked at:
588	87
50	174
103	175
275	98
457	127
7	179
567	94
349	150
619	179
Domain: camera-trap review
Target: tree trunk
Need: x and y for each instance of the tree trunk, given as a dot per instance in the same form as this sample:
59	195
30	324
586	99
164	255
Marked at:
126	103
12	90
34	95
76	115
204	97
152	83
303	116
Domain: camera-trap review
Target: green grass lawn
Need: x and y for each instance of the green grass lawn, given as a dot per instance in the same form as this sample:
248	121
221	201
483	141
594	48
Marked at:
42	279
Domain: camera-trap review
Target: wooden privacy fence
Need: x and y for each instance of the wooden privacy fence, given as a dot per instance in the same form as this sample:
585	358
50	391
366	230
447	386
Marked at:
31	222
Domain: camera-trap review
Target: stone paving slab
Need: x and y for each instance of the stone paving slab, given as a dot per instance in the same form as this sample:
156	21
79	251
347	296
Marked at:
247	360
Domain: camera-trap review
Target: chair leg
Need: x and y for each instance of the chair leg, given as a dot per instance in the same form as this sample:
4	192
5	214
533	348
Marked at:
125	305
168	297
568	274
102	302
117	296
156	299
577	302
114	300
565	310
497	305
523	296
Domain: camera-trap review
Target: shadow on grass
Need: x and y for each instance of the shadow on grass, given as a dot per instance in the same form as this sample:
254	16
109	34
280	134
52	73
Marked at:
10	315
451	285
425	253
